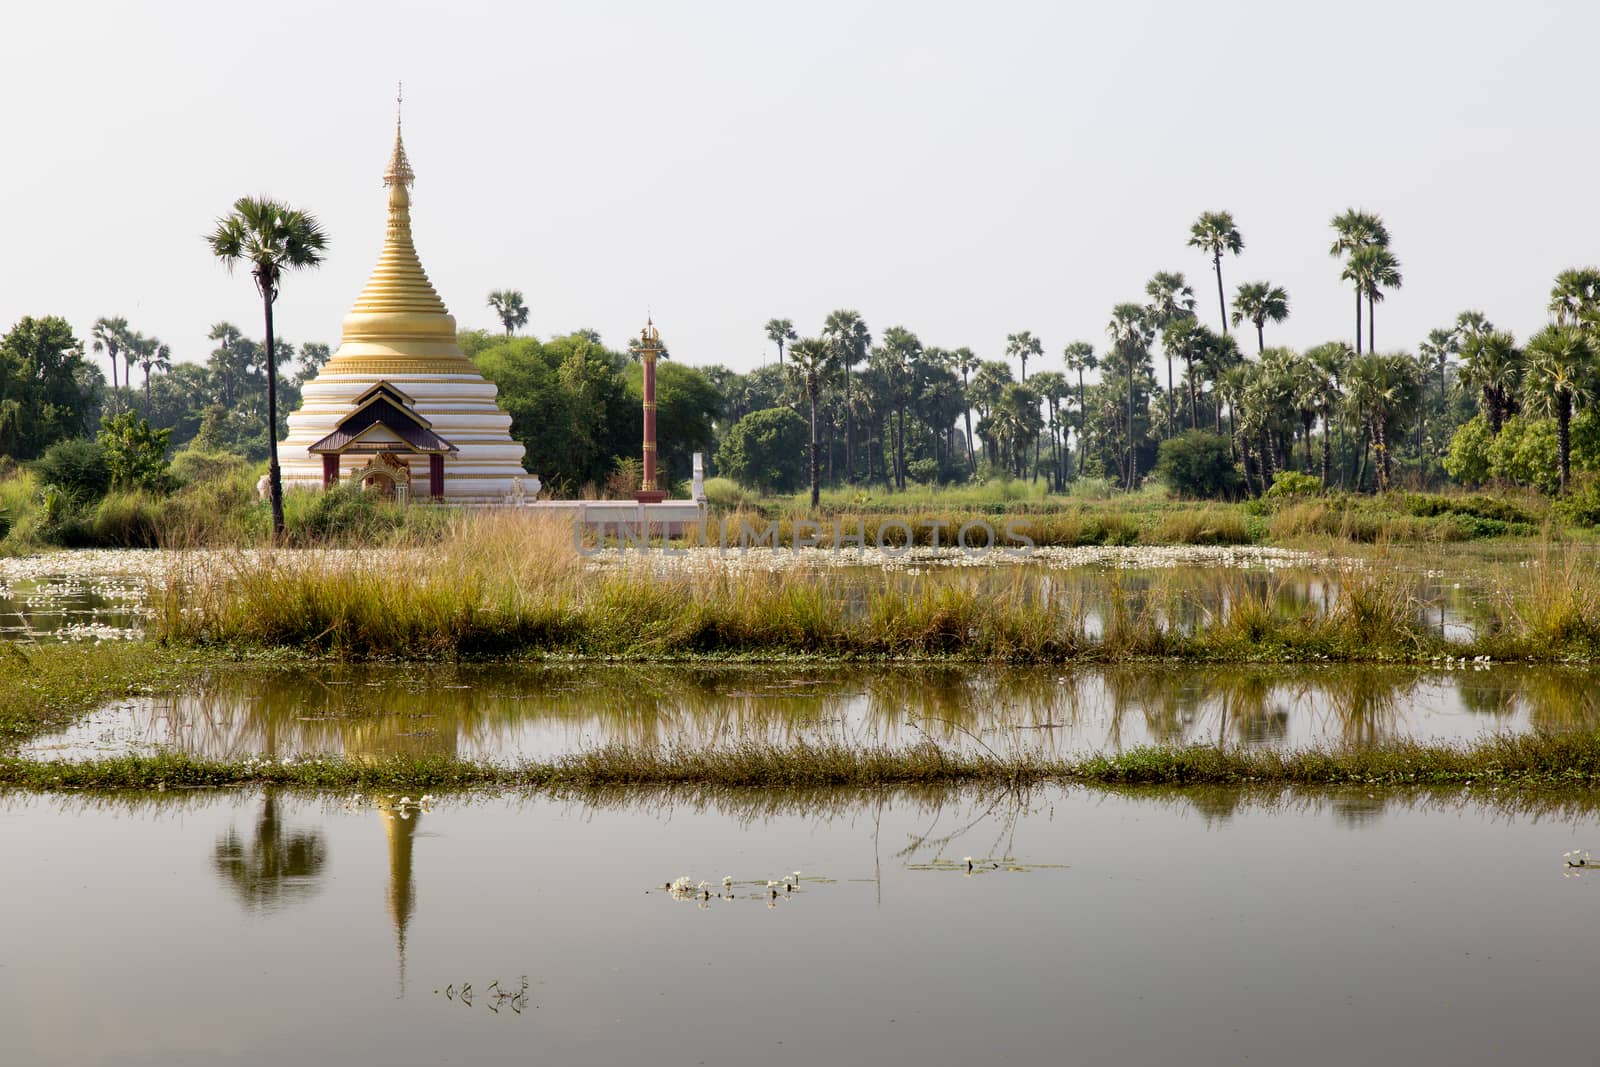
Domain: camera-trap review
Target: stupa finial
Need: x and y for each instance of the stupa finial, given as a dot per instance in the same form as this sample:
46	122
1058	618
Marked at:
399	172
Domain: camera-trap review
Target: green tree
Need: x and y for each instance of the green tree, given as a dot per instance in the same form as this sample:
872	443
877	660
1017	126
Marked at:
780	332
1559	374
151	353
898	357
1130	333
1197	464
1214	232
848	340
1355	230
1171	310
811	361
1021	346
47	391
1079	357
966	362
509	308
766	450
313	357
1492	364
135	454
272	238
1259	303
1383	389
1372	269
110	335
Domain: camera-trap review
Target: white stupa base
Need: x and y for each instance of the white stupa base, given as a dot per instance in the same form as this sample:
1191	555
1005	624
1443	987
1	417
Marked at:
461	409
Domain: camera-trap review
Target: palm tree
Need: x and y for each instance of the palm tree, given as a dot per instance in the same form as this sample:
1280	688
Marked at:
1329	362
1356	230
1492	364
271	238
152	354
279	864
1079	356
1575	297
111	336
848	336
966	362
508	305
1131	335
811	361
780	332
1171	303
1260	303
1436	352
1051	385
1382	389
1373	269
1560	373
898	357
1215	232
1021	346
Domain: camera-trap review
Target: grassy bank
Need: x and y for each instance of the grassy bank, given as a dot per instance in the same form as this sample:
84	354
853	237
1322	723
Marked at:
43	687
502	587
1529	761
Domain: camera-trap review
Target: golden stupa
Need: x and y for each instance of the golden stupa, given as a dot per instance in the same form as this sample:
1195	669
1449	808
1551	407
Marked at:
435	419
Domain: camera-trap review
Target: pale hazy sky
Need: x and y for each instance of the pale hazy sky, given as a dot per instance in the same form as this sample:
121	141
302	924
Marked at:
966	170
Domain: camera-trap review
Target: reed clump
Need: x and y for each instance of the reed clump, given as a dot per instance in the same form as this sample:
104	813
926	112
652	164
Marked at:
500	586
1539	760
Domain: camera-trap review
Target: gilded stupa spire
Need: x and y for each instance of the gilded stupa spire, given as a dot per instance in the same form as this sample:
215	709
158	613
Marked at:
399	314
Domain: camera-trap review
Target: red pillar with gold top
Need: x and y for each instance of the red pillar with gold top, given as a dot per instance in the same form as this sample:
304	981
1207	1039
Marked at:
649	351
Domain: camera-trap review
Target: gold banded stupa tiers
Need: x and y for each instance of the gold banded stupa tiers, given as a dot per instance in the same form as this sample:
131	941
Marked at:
398	405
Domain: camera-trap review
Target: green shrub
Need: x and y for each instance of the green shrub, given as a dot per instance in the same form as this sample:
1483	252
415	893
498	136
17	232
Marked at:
923	471
77	467
136	454
1197	464
124	520
1468	458
768	450
1582	505
194	465
1287	485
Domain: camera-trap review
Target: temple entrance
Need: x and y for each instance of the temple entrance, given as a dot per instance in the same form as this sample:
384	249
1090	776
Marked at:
384	426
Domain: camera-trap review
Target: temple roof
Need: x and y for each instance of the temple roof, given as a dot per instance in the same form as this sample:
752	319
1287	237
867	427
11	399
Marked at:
383	407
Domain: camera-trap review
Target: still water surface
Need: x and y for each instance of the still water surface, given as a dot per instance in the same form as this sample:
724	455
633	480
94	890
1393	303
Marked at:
510	713
1199	927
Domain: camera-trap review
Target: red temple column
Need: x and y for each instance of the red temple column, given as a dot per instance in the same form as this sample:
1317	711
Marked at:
649	350
436	476
330	470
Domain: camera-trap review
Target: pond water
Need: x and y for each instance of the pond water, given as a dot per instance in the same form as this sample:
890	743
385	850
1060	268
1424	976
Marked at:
1095	927
512	713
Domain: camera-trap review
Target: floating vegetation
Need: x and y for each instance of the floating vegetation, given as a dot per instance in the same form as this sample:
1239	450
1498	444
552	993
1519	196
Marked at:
770	890
973	867
495	997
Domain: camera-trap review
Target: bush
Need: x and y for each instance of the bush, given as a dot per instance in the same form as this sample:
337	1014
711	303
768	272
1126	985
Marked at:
923	471
1198	464
76	467
1581	506
1287	485
1526	453
135	454
768	450
193	466
1468	458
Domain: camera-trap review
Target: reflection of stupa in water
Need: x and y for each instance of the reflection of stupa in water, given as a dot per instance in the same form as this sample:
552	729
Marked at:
400	827
399	406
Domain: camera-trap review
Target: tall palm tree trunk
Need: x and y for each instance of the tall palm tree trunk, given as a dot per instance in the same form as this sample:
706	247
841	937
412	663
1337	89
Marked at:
1564	438
1222	299
849	430
1188	370
1372	317
1169	394
816	466
1133	459
274	473
1326	448
1358	321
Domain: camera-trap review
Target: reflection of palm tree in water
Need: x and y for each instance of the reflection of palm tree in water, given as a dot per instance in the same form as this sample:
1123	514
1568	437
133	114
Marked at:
278	866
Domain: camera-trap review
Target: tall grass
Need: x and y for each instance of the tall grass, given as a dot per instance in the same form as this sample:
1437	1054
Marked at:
509	584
